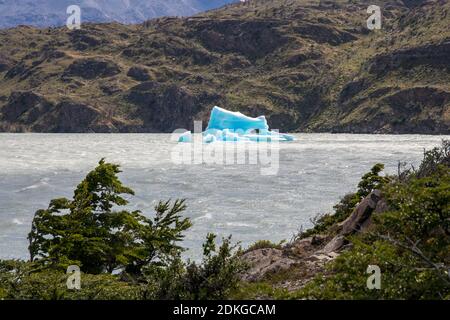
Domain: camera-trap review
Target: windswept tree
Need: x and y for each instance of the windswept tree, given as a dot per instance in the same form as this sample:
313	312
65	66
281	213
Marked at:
94	232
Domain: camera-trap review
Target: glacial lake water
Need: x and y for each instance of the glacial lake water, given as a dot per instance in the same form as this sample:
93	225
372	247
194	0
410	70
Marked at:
314	172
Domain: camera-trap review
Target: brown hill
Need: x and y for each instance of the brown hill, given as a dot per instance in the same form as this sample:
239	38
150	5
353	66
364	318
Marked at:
307	65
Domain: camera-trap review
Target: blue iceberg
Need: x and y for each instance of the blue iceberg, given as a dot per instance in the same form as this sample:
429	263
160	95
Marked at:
227	125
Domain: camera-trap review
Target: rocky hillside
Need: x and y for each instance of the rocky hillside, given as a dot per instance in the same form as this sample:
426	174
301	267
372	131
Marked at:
399	224
307	65
46	13
304	258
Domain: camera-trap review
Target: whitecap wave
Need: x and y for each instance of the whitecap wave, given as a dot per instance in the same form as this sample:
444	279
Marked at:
42	183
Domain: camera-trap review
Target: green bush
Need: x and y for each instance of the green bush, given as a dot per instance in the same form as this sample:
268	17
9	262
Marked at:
410	242
29	281
217	275
214	278
265	244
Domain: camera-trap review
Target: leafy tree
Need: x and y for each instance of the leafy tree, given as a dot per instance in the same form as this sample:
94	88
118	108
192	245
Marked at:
90	232
371	181
439	156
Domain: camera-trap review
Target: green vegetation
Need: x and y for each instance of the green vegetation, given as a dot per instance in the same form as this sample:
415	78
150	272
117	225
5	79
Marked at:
262	244
410	243
122	254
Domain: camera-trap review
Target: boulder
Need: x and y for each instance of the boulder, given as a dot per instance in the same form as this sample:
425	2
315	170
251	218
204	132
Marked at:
334	245
360	218
358	221
265	261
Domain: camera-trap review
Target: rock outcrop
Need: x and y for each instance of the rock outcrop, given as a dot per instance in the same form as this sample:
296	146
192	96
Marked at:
24	107
167	107
432	55
251	39
92	69
5	63
361	216
138	73
266	261
358	221
310	255
72	117
28	110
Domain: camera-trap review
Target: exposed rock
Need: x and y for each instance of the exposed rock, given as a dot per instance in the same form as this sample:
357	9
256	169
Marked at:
5	63
28	111
24	107
51	54
352	88
236	62
306	257
92	69
303	257
82	40
413	110
110	89
433	55
334	245
324	256
72	117
360	218
20	69
305	247
293	63
382	206
265	261
138	73
300	58
322	33
165	107
251	39
358	221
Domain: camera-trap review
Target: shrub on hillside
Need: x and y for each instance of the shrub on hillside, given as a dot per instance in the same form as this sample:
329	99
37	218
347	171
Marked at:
410	242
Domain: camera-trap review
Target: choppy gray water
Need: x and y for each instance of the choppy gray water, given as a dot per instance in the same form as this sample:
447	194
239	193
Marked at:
315	171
